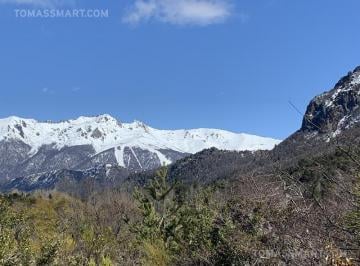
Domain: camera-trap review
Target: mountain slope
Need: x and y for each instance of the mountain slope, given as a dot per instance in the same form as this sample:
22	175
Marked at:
87	142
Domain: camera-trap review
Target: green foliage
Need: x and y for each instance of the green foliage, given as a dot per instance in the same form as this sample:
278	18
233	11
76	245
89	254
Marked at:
14	236
34	232
317	174
47	254
171	229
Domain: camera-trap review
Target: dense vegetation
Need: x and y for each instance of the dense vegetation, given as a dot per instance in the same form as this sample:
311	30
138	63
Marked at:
305	214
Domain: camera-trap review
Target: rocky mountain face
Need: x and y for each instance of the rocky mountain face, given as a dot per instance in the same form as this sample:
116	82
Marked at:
34	151
336	110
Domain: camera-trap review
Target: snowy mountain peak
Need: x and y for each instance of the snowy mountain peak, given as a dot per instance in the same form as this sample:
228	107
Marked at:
125	143
83	120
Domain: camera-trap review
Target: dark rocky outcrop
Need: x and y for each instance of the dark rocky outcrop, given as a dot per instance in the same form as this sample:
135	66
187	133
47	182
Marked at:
337	109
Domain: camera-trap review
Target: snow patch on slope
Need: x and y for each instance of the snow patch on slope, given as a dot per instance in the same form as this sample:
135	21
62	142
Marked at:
356	79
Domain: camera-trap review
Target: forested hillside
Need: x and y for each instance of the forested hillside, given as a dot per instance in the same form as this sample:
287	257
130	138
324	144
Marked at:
305	215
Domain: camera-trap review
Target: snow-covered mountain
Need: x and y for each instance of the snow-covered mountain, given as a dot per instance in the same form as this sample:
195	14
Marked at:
89	141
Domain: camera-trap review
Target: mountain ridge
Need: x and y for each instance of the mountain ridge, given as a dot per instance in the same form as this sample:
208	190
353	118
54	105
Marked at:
87	142
97	131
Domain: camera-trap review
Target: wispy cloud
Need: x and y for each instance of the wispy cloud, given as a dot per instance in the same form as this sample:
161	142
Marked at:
179	12
47	91
39	3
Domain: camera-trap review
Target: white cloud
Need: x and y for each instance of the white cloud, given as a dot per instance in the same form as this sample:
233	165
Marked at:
39	3
180	12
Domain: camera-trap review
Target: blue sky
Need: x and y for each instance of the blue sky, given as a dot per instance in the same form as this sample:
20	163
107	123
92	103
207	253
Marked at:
177	64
